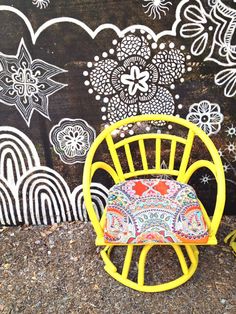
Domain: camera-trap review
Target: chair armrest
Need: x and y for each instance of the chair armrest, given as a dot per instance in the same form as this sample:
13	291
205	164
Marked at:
197	165
218	173
104	166
87	179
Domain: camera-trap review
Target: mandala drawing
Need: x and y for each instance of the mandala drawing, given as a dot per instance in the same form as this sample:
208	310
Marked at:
207	116
26	83
42	4
35	194
212	33
71	140
137	78
155	8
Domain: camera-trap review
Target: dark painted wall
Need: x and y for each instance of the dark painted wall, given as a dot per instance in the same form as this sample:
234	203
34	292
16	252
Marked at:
63	81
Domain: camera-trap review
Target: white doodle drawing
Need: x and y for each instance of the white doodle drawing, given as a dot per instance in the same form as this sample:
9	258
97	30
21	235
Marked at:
92	33
120	33
207	116
205	179
156	8
213	33
219	24
38	194
99	195
231	131
41	4
157	104
26	83
45	195
135	79
228	155
224	20
227	78
8	213
231	147
17	155
71	140
197	28
164	165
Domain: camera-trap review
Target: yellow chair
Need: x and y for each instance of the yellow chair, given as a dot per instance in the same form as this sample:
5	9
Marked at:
181	170
231	239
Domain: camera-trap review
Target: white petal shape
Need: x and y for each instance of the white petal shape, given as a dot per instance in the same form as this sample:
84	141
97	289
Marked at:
118	110
204	107
224	76
136	80
133	45
228	77
170	64
199	44
100	76
206	127
161	103
193	117
195	14
190	30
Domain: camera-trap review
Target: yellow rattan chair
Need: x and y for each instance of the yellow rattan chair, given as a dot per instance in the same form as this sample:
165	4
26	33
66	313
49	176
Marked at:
182	172
231	239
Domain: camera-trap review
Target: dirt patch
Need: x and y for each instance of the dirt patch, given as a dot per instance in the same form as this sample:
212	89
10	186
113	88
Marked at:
58	269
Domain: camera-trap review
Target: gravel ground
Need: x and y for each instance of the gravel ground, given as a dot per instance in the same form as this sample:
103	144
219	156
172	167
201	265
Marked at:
58	269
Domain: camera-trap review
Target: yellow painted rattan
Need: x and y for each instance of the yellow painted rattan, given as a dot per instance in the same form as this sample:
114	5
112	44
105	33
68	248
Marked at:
183	173
231	239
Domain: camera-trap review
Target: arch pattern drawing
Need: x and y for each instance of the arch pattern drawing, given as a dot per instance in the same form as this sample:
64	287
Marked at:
35	194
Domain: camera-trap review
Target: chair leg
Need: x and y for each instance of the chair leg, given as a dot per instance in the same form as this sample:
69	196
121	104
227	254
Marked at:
140	285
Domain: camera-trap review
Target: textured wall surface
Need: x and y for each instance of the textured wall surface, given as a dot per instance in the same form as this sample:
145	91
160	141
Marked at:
69	68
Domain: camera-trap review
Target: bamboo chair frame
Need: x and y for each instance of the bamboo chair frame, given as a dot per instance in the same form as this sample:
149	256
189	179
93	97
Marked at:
183	174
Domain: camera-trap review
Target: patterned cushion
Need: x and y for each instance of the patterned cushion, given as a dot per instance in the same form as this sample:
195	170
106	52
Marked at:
154	210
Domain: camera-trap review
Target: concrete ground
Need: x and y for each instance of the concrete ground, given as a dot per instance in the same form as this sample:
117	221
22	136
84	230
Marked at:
57	269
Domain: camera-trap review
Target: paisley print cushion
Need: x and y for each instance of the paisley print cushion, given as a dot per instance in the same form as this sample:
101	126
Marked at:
154	210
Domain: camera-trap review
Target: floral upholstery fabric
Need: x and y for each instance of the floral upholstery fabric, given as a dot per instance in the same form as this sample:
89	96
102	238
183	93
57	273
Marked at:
154	211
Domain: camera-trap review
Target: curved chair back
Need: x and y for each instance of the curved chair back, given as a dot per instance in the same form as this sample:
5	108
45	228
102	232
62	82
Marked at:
181	170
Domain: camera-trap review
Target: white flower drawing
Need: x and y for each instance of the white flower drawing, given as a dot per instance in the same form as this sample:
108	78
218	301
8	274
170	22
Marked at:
71	140
221	153
227	77
134	80
231	131
156	8
26	83
205	179
231	147
226	167
42	4
197	28
212	32
207	116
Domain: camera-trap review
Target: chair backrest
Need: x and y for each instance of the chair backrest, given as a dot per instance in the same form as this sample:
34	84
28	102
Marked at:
181	170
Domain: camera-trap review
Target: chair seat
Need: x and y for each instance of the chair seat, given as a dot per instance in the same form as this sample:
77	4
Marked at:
154	211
